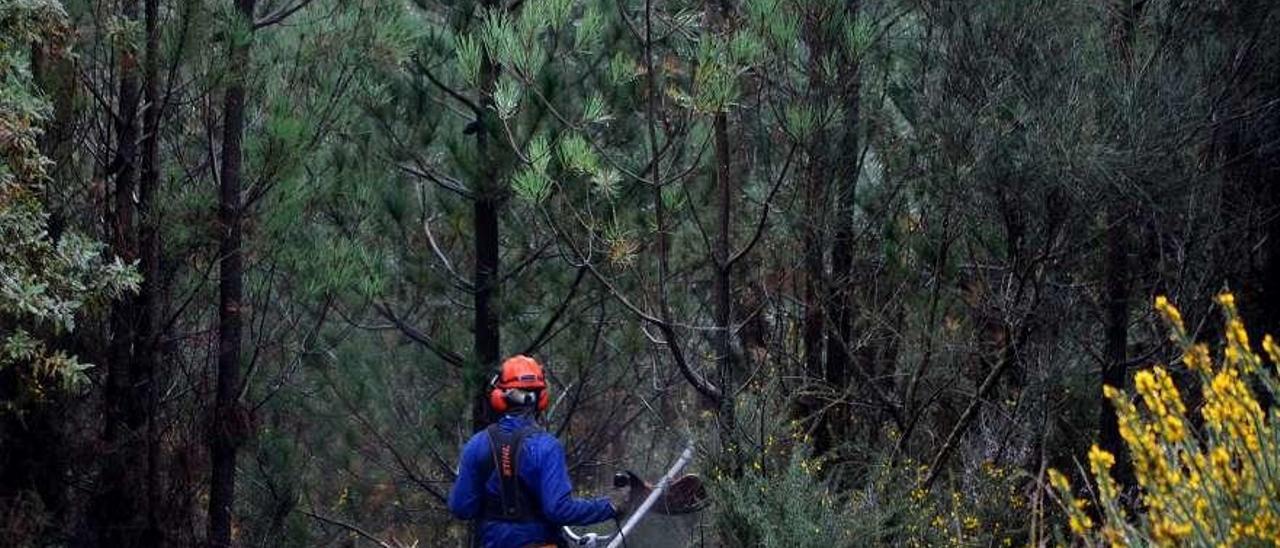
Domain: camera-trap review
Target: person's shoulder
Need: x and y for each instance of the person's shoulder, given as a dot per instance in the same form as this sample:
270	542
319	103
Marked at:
541	447
542	439
478	440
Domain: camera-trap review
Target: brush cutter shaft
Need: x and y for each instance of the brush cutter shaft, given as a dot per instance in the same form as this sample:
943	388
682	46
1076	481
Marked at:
593	540
685	457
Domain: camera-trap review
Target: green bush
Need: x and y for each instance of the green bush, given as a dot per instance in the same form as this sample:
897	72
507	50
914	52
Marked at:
792	507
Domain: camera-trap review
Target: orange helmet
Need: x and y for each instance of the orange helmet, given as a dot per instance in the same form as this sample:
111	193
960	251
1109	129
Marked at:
523	373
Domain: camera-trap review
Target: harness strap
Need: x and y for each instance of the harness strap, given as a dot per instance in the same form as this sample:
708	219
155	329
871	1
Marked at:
513	502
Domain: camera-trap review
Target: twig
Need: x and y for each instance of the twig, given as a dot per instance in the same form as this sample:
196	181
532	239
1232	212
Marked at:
281	15
449	356
354	529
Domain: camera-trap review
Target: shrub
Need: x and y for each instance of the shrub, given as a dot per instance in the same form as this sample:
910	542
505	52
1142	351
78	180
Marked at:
796	504
792	507
1214	485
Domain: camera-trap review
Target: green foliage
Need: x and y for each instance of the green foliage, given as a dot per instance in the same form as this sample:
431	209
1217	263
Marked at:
506	97
577	155
590	28
622	69
790	507
530	185
44	283
470	58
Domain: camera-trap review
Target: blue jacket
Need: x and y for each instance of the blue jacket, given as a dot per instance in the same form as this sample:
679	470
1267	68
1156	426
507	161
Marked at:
542	472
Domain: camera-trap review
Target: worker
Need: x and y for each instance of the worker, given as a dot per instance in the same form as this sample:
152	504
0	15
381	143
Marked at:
512	476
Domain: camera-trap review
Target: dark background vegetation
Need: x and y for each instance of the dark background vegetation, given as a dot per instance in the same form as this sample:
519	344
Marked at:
875	257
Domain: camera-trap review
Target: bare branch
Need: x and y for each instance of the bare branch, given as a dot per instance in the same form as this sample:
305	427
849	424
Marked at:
280	15
354	529
435	248
764	216
555	316
416	335
443	181
474	108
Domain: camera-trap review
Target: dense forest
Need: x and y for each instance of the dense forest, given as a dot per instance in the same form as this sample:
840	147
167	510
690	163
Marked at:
876	259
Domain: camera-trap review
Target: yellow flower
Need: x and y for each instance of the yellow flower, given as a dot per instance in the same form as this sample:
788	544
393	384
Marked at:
1218	482
1080	523
1099	460
1197	359
1273	351
1171	314
1059	481
1167	532
1228	301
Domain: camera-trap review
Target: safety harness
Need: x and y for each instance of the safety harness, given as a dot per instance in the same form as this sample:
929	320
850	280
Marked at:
513	502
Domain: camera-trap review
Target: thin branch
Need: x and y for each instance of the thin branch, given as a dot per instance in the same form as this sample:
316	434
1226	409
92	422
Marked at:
416	335
443	181
466	284
764	216
699	382
555	317
524	263
280	15
474	108
354	529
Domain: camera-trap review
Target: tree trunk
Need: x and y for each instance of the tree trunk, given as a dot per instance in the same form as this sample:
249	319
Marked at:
668	403
847	169
230	420
818	290
121	506
1123	19
488	202
1116	336
722	285
722	279
1271	287
36	453
147	350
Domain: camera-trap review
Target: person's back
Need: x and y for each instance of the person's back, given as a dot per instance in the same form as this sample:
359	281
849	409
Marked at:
536	500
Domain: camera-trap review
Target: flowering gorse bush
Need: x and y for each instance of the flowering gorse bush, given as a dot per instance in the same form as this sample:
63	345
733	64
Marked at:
984	506
792	506
787	498
1217	485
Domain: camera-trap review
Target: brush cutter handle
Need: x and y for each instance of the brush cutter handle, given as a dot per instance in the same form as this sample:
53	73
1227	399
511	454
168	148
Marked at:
622	479
586	540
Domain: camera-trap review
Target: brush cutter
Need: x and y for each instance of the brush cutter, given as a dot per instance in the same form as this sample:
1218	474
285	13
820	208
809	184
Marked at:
672	495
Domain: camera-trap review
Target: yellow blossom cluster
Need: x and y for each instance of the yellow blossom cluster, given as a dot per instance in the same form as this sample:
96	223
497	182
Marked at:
1171	315
987	511
1218	485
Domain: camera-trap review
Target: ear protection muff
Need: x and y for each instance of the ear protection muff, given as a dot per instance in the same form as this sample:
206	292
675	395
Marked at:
500	399
497	400
544	399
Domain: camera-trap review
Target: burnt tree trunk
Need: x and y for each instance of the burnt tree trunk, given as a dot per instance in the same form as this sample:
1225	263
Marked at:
36	455
230	421
1271	287
823	347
